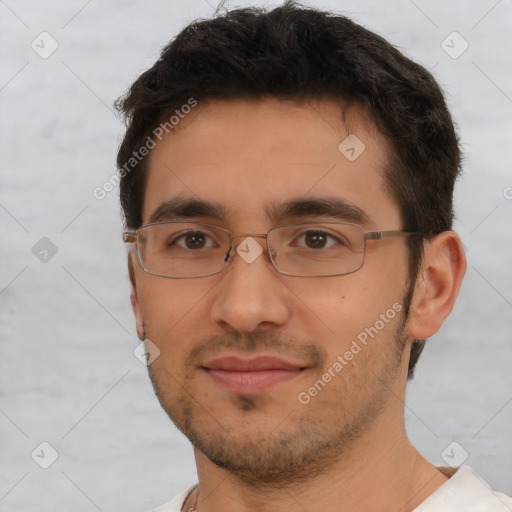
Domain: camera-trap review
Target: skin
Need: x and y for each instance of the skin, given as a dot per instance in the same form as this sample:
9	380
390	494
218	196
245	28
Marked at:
266	451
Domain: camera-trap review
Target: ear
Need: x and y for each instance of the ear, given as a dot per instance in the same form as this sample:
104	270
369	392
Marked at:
437	284
134	299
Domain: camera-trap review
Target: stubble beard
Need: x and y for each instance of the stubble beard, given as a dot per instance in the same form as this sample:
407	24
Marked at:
303	443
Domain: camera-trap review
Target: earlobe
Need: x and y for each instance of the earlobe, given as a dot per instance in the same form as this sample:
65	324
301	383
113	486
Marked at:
437	284
137	311
134	299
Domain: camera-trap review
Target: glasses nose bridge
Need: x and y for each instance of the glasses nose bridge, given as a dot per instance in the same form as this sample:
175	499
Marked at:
238	235
245	235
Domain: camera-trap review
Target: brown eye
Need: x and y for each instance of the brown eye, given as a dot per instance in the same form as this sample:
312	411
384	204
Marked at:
193	240
315	239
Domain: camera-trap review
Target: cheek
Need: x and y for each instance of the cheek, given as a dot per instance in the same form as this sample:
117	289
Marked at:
339	309
173	311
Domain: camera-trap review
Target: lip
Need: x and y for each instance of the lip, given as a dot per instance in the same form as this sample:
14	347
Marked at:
251	375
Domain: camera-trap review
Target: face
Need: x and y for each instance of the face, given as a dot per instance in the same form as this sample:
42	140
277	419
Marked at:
270	374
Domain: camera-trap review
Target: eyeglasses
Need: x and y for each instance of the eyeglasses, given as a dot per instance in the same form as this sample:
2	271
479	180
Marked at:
184	250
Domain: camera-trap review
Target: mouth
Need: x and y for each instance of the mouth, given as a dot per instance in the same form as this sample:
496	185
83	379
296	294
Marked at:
251	375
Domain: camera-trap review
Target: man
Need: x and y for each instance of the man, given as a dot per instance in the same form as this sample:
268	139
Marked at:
287	181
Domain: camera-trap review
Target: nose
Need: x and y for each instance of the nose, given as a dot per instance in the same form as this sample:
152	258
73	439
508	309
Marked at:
250	294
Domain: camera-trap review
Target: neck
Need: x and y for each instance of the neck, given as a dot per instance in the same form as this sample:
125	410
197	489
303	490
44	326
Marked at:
381	472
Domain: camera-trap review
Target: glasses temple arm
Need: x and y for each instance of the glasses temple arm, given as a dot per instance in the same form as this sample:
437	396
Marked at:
378	235
129	237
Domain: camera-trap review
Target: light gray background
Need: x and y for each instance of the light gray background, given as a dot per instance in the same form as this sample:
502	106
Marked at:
68	375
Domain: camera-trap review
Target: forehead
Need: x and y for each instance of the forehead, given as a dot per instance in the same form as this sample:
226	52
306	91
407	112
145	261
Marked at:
249	157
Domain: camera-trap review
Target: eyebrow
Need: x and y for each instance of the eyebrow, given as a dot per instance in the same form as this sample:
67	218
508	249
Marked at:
178	208
335	207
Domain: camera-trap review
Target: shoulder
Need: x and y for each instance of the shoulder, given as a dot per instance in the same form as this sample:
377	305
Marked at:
466	491
176	503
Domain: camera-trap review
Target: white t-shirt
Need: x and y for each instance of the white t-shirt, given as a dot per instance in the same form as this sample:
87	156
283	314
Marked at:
465	491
